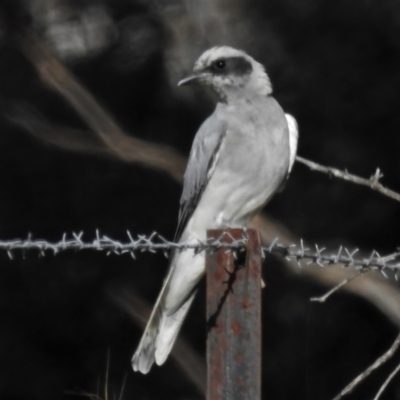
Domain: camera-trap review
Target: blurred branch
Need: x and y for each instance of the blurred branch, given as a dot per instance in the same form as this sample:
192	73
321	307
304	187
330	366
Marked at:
372	182
54	74
389	378
380	361
29	118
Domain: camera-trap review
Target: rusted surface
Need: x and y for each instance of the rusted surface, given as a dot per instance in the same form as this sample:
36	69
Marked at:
234	320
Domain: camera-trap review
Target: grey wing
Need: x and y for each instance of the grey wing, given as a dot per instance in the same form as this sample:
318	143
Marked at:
200	166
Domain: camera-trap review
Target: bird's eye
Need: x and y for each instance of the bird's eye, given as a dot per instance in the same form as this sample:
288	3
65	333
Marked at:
220	64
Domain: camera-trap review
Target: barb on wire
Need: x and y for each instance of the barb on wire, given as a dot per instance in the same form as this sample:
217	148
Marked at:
156	242
372	182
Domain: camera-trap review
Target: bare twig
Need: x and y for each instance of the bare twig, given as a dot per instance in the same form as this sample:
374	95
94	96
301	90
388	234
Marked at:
33	121
323	298
389	378
372	182
377	363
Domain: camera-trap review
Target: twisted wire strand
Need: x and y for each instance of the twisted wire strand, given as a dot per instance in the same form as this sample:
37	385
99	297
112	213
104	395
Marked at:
156	243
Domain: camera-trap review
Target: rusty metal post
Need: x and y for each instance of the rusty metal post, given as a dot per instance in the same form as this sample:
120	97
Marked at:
234	320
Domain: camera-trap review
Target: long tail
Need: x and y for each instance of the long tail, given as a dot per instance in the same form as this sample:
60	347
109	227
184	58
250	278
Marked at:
160	335
169	311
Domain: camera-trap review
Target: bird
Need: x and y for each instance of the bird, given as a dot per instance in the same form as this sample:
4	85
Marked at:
241	155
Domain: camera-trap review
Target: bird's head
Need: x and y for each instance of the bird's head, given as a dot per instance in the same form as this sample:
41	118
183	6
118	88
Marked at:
230	73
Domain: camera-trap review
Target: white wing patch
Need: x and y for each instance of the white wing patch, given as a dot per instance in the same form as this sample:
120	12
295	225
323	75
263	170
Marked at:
293	138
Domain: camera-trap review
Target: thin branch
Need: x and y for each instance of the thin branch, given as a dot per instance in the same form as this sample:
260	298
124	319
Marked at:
123	387
380	361
372	182
389	378
107	371
323	298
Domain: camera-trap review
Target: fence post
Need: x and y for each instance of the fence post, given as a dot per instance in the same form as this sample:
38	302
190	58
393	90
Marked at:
234	319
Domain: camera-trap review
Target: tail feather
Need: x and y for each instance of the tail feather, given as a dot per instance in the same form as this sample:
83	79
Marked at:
170	310
169	329
159	337
144	356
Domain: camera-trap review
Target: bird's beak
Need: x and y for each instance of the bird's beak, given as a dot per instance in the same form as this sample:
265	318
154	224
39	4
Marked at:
195	78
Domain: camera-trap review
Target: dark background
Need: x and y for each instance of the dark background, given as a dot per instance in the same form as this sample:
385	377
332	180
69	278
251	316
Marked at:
334	65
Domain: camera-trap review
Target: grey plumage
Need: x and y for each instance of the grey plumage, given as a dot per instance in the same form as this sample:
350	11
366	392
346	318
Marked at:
239	158
201	163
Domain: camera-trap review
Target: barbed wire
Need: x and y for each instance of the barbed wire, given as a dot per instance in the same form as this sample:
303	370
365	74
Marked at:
156	243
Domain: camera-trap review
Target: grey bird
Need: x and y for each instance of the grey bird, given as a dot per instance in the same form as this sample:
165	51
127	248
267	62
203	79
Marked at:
241	155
